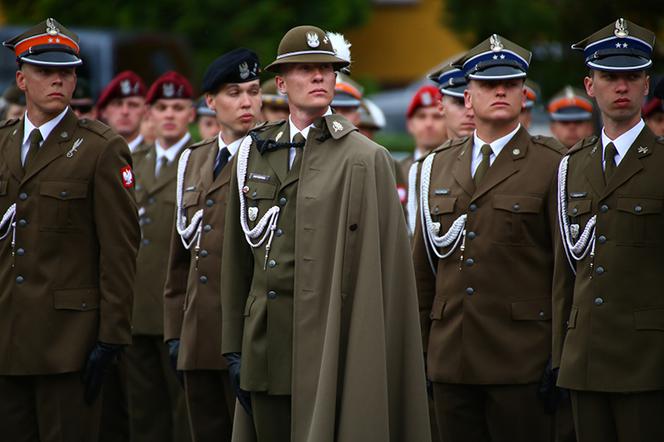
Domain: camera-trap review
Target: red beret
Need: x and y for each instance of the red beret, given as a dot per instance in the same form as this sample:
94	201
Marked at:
125	84
424	97
652	106
169	86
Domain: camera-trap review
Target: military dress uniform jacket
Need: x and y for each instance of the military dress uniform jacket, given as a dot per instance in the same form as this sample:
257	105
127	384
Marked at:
609	318
156	205
486	312
192	305
67	280
334	301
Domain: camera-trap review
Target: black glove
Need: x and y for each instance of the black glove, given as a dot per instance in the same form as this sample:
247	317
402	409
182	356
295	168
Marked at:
100	360
548	392
173	351
233	360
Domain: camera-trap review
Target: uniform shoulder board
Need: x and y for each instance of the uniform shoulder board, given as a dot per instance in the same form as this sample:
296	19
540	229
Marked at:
549	142
660	139
203	142
10	122
265	125
338	126
97	127
588	141
450	143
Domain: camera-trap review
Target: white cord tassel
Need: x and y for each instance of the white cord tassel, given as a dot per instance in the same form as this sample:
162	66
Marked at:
266	226
411	207
7	221
456	232
576	250
189	233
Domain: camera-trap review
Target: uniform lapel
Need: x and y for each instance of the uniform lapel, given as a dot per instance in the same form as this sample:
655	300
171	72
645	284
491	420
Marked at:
207	168
632	163
278	159
461	169
12	152
167	173
146	169
223	178
58	143
593	170
505	164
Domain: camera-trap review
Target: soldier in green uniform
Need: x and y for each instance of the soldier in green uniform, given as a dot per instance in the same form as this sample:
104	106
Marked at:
14	103
68	240
275	104
157	409
192	305
486	219
571	113
319	314
608	306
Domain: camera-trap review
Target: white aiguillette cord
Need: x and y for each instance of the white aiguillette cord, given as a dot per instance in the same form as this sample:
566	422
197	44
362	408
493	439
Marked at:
265	227
188	232
576	250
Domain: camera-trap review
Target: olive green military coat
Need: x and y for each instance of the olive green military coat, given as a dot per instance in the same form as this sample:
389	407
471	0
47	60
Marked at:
67	282
192	305
609	318
486	312
155	197
354	349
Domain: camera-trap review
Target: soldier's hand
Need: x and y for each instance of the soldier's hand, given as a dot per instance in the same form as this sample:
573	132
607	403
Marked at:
548	392
234	363
100	359
173	352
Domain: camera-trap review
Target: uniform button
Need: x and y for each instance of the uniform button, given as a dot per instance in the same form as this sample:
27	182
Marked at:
209	203
516	207
470	290
603	208
541	314
575	211
599	270
146	241
147	220
272	294
353	227
19	279
473	207
470	262
471	235
203	279
20	251
23	196
204	253
599	301
282	201
64	194
207	228
254	193
279	232
436	210
22	222
638	209
272	263
601	239
84	305
151	200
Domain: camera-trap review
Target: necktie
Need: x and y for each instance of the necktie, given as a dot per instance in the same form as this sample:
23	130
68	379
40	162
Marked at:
163	162
298	139
610	152
35	138
484	164
222	158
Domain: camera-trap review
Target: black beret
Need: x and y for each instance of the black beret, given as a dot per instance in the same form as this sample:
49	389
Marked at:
237	66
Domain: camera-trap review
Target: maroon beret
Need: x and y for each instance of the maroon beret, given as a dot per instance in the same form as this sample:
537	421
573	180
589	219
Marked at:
125	84
170	85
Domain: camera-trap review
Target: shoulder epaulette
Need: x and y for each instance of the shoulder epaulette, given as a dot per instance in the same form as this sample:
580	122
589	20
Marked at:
452	142
549	142
203	142
588	141
10	122
660	139
265	125
338	126
97	127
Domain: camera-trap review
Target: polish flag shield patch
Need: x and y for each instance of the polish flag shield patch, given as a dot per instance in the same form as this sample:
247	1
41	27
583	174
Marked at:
127	177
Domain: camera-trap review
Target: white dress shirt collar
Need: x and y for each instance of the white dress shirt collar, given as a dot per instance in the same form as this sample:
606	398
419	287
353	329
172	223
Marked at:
133	144
623	142
294	130
232	148
172	152
45	129
496	147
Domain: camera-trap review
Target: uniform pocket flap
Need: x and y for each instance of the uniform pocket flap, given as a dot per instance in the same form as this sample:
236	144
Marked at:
639	206
438	308
247	306
578	207
650	319
76	299
260	191
64	190
571	323
532	310
190	199
442	204
518	203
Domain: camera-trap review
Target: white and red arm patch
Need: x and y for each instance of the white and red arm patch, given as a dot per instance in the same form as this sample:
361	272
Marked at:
127	177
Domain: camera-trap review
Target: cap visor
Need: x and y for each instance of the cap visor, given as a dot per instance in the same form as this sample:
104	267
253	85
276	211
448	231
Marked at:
336	62
456	91
498	73
620	63
571	115
53	59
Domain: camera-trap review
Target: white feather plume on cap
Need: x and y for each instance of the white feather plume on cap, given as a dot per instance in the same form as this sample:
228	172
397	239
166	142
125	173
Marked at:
341	48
